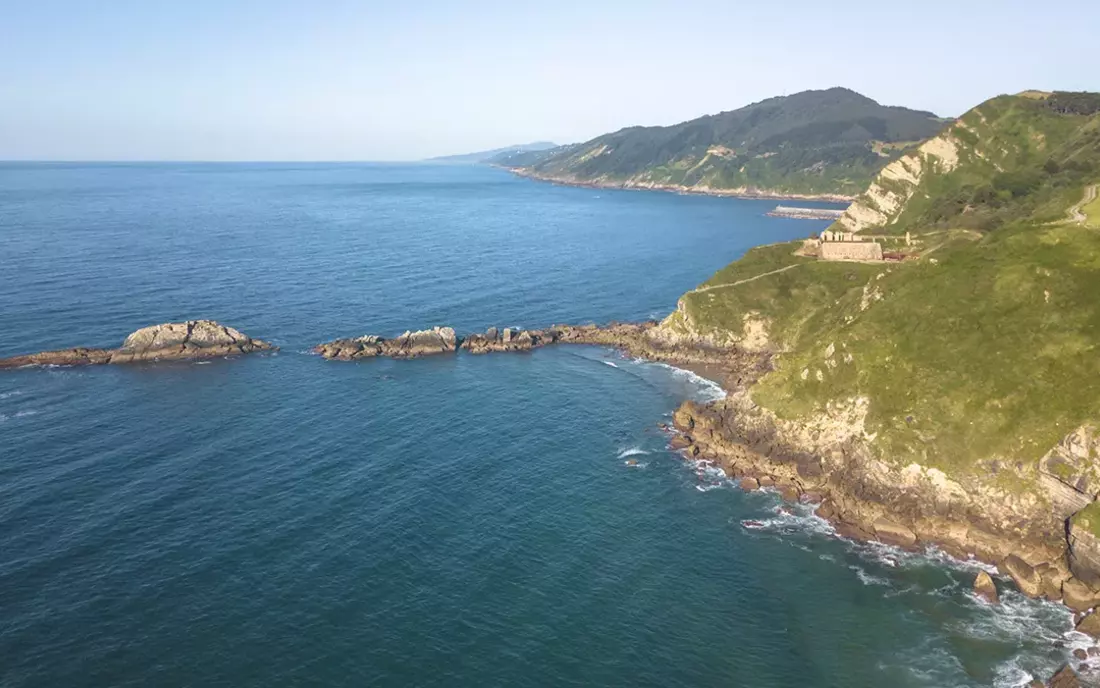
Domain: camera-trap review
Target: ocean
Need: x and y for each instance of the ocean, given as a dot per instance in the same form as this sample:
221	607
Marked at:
503	520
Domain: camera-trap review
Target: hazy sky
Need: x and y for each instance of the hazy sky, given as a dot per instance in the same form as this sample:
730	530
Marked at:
336	80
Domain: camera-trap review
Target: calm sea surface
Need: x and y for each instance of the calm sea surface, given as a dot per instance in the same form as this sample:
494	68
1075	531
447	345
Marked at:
462	521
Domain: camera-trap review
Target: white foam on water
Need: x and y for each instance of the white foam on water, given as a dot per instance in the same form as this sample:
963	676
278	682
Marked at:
613	365
8	395
202	362
868	579
24	414
636	464
632	451
707	390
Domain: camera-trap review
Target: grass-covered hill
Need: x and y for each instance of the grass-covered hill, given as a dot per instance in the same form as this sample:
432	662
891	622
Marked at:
815	142
1011	159
985	346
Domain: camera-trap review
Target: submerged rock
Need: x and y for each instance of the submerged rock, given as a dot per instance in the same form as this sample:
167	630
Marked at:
1065	678
194	339
984	587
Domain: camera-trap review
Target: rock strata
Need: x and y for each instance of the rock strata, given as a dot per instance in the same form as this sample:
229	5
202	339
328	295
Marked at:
191	340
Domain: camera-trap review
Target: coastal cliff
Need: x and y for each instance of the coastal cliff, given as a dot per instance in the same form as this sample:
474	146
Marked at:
952	399
191	340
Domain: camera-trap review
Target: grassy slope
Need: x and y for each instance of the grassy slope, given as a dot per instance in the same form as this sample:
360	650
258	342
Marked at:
1018	160
987	349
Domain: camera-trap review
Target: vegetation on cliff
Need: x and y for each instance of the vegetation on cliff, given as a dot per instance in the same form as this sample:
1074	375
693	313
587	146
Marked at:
1011	159
814	142
981	354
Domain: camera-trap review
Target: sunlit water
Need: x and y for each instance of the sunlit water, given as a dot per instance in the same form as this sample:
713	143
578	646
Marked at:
496	520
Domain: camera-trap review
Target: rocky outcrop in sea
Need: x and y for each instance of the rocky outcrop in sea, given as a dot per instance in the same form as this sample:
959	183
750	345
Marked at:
439	340
194	339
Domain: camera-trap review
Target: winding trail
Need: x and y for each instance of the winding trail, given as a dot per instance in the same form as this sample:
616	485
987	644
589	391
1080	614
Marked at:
1074	213
699	290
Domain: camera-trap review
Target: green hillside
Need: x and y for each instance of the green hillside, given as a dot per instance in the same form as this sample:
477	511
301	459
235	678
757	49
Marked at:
815	142
985	346
1010	159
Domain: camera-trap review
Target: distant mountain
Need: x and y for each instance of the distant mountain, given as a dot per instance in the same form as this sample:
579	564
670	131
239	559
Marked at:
485	156
829	142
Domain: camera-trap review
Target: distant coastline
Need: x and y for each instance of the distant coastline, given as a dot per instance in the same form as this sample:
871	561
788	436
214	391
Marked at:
750	193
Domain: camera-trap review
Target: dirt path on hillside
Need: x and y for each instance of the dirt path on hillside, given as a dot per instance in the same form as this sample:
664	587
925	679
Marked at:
1074	213
699	290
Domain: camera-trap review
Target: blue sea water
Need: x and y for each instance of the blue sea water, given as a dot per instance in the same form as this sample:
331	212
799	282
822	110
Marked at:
462	521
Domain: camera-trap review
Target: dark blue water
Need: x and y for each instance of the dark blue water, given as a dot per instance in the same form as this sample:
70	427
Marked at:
466	521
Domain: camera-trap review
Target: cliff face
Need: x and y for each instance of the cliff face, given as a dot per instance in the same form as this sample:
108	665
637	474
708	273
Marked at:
880	205
194	339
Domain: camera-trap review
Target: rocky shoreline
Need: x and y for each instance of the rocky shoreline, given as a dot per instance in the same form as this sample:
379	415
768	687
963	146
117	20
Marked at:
866	500
827	465
191	340
751	193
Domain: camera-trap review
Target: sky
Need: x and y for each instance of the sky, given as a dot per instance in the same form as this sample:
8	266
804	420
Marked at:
361	80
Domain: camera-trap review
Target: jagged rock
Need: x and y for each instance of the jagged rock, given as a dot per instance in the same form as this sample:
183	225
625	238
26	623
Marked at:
682	418
767	481
749	484
1053	577
1094	651
189	340
1090	625
893	533
491	340
789	492
826	510
438	340
1080	653
984	588
679	442
1026	578
1065	678
1079	596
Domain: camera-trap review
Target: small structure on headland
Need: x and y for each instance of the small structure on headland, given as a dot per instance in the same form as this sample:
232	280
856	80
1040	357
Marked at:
834	245
847	246
851	250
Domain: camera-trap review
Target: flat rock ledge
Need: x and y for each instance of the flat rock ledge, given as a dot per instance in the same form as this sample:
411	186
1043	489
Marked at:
191	340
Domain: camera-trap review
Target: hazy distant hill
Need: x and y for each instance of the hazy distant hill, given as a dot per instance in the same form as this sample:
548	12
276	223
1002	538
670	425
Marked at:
815	142
484	156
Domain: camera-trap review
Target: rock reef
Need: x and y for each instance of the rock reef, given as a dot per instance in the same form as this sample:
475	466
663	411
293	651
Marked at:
439	340
194	339
643	340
